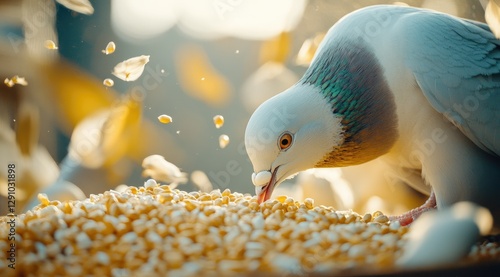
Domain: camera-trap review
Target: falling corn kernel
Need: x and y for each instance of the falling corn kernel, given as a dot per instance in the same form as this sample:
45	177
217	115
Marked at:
223	141
49	44
218	121
8	82
108	82
110	48
165	119
16	80
19	80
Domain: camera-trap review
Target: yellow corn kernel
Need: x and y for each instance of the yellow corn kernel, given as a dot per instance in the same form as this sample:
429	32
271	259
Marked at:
165	119
367	217
381	219
15	80
51	45
309	202
110	48
159	230
44	200
281	198
8	82
218	121
19	80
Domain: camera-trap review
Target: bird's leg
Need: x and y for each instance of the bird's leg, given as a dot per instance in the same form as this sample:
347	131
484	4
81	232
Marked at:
410	216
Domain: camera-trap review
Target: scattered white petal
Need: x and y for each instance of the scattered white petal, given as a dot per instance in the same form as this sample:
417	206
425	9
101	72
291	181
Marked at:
265	82
79	6
131	69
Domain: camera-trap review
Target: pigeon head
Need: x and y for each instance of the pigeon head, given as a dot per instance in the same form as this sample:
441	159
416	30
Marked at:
340	113
289	133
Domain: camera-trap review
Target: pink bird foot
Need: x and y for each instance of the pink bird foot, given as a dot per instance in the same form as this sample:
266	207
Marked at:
410	216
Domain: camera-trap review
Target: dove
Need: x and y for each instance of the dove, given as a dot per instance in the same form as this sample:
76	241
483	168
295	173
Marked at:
415	89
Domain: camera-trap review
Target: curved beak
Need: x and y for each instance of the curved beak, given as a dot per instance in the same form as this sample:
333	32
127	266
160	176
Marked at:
264	192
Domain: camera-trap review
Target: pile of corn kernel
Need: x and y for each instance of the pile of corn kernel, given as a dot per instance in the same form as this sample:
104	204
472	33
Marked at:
159	231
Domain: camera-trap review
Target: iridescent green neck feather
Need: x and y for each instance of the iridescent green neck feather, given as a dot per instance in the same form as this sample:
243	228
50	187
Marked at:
352	80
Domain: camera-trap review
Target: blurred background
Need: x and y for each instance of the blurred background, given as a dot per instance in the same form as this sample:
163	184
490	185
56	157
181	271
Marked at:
68	131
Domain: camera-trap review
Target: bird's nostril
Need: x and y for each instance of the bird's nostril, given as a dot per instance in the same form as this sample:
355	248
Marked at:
261	178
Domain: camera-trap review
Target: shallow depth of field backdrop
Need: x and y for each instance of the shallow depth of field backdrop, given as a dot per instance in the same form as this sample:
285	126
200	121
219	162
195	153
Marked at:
207	57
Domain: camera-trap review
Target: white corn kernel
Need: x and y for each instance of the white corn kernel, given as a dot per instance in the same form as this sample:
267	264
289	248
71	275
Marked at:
150	183
154	229
223	141
108	82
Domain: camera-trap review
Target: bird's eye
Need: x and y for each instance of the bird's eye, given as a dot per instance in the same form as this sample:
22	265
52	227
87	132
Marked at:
285	141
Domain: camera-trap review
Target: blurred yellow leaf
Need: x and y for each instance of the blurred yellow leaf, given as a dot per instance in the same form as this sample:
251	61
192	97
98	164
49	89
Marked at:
268	80
75	94
104	137
276	49
158	141
27	129
34	168
201	180
119	128
492	16
308	49
199	78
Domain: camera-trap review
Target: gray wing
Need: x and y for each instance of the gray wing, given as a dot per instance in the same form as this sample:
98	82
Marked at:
456	63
